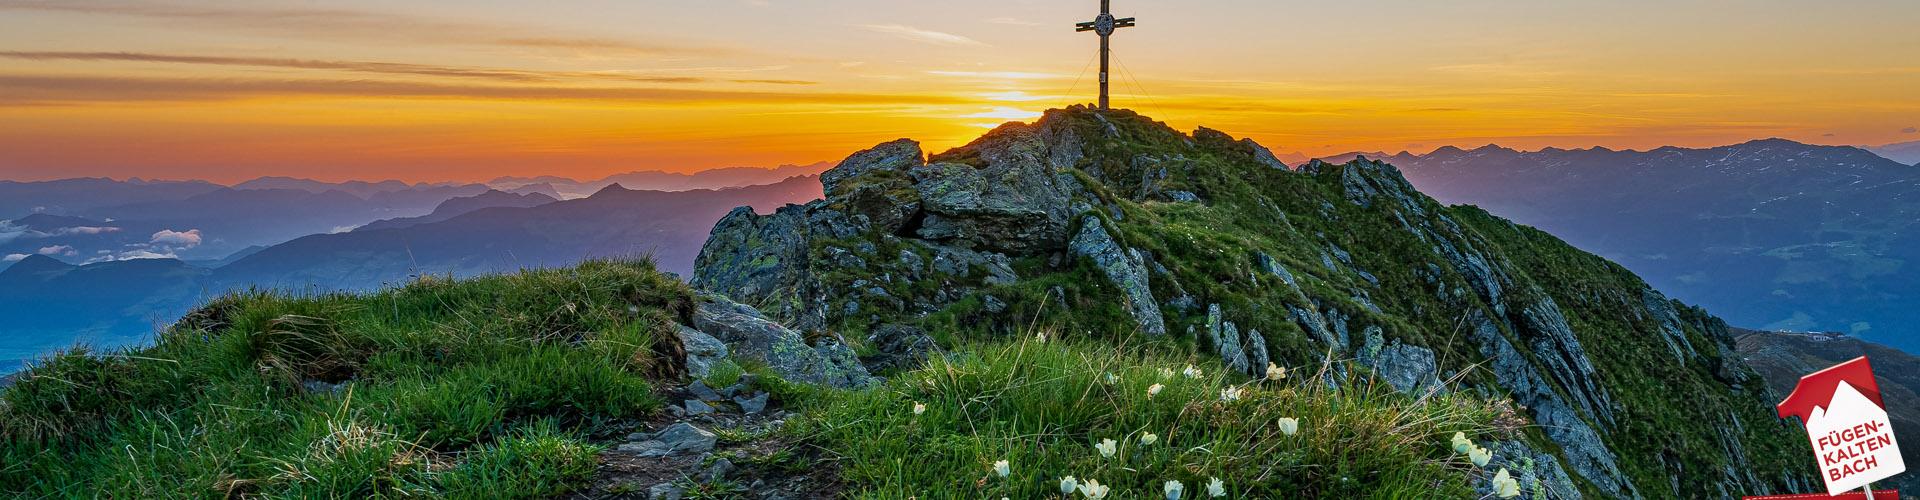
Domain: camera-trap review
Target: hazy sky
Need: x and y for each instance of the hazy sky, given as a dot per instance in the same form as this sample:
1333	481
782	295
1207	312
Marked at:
470	90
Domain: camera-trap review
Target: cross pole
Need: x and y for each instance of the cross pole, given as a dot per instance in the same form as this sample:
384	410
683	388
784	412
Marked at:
1104	26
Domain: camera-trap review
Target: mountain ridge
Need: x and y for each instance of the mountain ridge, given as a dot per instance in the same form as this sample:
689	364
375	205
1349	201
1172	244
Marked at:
1124	225
1769	233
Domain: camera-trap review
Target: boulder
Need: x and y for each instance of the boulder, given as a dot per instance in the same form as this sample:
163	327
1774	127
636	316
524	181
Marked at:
752	336
761	259
1408	368
896	156
684	438
702	351
900	347
753	405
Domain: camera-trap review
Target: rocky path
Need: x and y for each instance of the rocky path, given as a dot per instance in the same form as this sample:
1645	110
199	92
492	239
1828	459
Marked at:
716	443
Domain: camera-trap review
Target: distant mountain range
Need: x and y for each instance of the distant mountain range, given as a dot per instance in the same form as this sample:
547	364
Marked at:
561	187
46	303
1783	357
1905	152
1772	233
96	220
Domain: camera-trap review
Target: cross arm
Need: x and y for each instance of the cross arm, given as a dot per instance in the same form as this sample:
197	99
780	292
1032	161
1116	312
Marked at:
1123	23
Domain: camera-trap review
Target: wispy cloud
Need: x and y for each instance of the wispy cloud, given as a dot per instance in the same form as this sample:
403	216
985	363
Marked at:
1014	96
183	239
40	89
385	68
337	24
998	75
924	36
1006	113
1014	21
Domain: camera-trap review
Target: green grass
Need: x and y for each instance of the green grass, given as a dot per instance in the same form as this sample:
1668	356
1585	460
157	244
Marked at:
477	388
1044	406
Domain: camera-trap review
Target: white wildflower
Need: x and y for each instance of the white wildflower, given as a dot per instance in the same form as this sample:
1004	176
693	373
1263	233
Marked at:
1068	485
1093	489
1504	485
1192	372
1040	336
1107	447
1289	426
1276	372
1216	487
1002	468
1460	442
919	408
1110	378
1148	439
1154	390
1230	394
1173	489
1479	456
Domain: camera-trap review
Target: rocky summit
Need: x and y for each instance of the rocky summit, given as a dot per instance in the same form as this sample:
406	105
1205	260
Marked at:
1111	227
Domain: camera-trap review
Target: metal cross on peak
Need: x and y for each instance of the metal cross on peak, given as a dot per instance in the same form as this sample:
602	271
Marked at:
1104	26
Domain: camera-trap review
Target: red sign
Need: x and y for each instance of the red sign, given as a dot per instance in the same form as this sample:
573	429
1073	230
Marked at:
1848	425
1856	495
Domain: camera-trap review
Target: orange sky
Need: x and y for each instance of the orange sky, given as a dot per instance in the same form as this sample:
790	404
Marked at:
472	90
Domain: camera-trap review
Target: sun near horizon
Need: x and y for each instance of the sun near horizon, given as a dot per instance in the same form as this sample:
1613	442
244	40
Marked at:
454	91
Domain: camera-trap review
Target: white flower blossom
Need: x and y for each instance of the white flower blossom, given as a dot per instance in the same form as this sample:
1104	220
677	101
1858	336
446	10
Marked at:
1154	390
1107	447
1173	489
1230	394
1504	485
1460	442
1068	485
919	408
1479	456
1289	426
1192	372
1093	490
1002	468
1216	487
1148	439
1276	372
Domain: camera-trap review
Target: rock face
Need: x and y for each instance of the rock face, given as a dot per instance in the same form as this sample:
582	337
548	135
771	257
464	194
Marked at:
892	221
1109	225
1125	268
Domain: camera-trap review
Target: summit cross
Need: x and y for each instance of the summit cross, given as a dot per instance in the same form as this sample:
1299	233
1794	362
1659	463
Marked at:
1104	26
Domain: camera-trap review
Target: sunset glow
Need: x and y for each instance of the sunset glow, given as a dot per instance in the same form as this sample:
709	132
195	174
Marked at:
474	90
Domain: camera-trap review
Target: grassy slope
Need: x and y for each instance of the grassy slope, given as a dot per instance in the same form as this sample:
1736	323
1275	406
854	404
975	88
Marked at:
499	387
1044	406
477	388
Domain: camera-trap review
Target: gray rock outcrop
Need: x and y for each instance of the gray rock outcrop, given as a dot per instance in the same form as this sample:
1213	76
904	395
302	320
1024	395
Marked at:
1126	269
752	336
